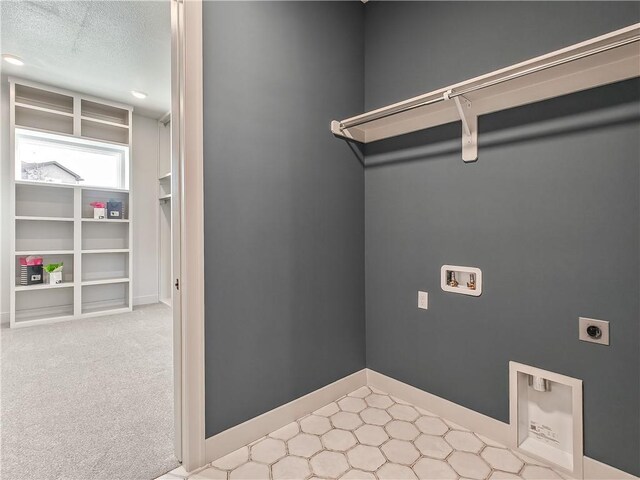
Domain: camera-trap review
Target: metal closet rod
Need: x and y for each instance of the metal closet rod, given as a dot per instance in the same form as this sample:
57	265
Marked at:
490	83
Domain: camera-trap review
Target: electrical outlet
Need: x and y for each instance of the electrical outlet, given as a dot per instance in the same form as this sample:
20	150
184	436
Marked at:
594	331
423	300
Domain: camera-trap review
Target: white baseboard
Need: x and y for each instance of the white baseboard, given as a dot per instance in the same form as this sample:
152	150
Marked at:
595	470
479	423
145	299
255	428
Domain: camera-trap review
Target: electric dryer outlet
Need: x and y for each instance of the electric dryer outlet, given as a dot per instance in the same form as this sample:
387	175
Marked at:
593	330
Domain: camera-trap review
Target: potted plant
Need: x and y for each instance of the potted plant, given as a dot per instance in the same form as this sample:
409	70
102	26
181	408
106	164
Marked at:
55	273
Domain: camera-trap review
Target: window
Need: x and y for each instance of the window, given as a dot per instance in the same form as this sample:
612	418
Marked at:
51	158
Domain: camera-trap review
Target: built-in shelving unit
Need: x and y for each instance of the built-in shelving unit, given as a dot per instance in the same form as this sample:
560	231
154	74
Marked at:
602	60
56	221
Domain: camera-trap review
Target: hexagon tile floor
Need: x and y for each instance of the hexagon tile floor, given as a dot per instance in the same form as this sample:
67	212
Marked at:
371	435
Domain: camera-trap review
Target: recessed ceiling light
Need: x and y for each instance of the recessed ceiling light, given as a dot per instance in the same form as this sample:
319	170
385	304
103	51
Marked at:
138	94
13	60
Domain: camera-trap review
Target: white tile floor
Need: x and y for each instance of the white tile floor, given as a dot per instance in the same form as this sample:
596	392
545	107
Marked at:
371	435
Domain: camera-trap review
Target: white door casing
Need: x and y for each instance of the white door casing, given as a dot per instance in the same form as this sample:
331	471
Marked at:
188	230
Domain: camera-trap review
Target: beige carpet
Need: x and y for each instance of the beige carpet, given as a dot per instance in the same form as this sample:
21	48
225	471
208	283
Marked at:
89	399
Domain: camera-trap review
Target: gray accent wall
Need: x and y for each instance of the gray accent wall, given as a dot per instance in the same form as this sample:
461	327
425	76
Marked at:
550	212
302	242
284	204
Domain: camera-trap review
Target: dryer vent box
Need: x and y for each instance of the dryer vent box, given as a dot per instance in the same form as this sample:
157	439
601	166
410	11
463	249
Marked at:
546	417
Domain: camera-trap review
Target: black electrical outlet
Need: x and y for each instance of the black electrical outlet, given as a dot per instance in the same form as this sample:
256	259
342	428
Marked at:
594	332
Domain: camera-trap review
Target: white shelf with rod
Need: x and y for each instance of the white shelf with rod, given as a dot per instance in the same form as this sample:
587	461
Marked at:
51	215
599	61
165	180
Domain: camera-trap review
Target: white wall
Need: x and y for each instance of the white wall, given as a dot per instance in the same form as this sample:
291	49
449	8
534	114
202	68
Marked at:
145	209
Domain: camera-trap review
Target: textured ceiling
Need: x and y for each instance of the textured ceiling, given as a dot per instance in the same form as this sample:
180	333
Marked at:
101	48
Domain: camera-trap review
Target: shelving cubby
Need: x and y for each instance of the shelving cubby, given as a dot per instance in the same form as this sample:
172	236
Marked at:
54	220
43	235
67	259
106	235
43	109
100	267
97	299
38	306
90	195
41	200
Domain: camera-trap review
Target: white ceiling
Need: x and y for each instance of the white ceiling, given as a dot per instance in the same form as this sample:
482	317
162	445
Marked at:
101	48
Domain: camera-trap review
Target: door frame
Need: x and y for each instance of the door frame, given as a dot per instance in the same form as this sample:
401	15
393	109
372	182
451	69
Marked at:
188	205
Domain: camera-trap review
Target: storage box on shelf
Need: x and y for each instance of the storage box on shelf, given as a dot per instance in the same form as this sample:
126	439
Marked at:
55	220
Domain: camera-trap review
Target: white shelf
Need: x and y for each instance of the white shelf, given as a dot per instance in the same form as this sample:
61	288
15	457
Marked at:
43	286
44	219
107	250
599	61
99	311
31	321
105	122
44	252
46	184
165	176
43	109
105	189
104	220
165	197
105	281
69	185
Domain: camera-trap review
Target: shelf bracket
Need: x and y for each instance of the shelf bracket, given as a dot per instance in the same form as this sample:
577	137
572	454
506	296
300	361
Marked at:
469	127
